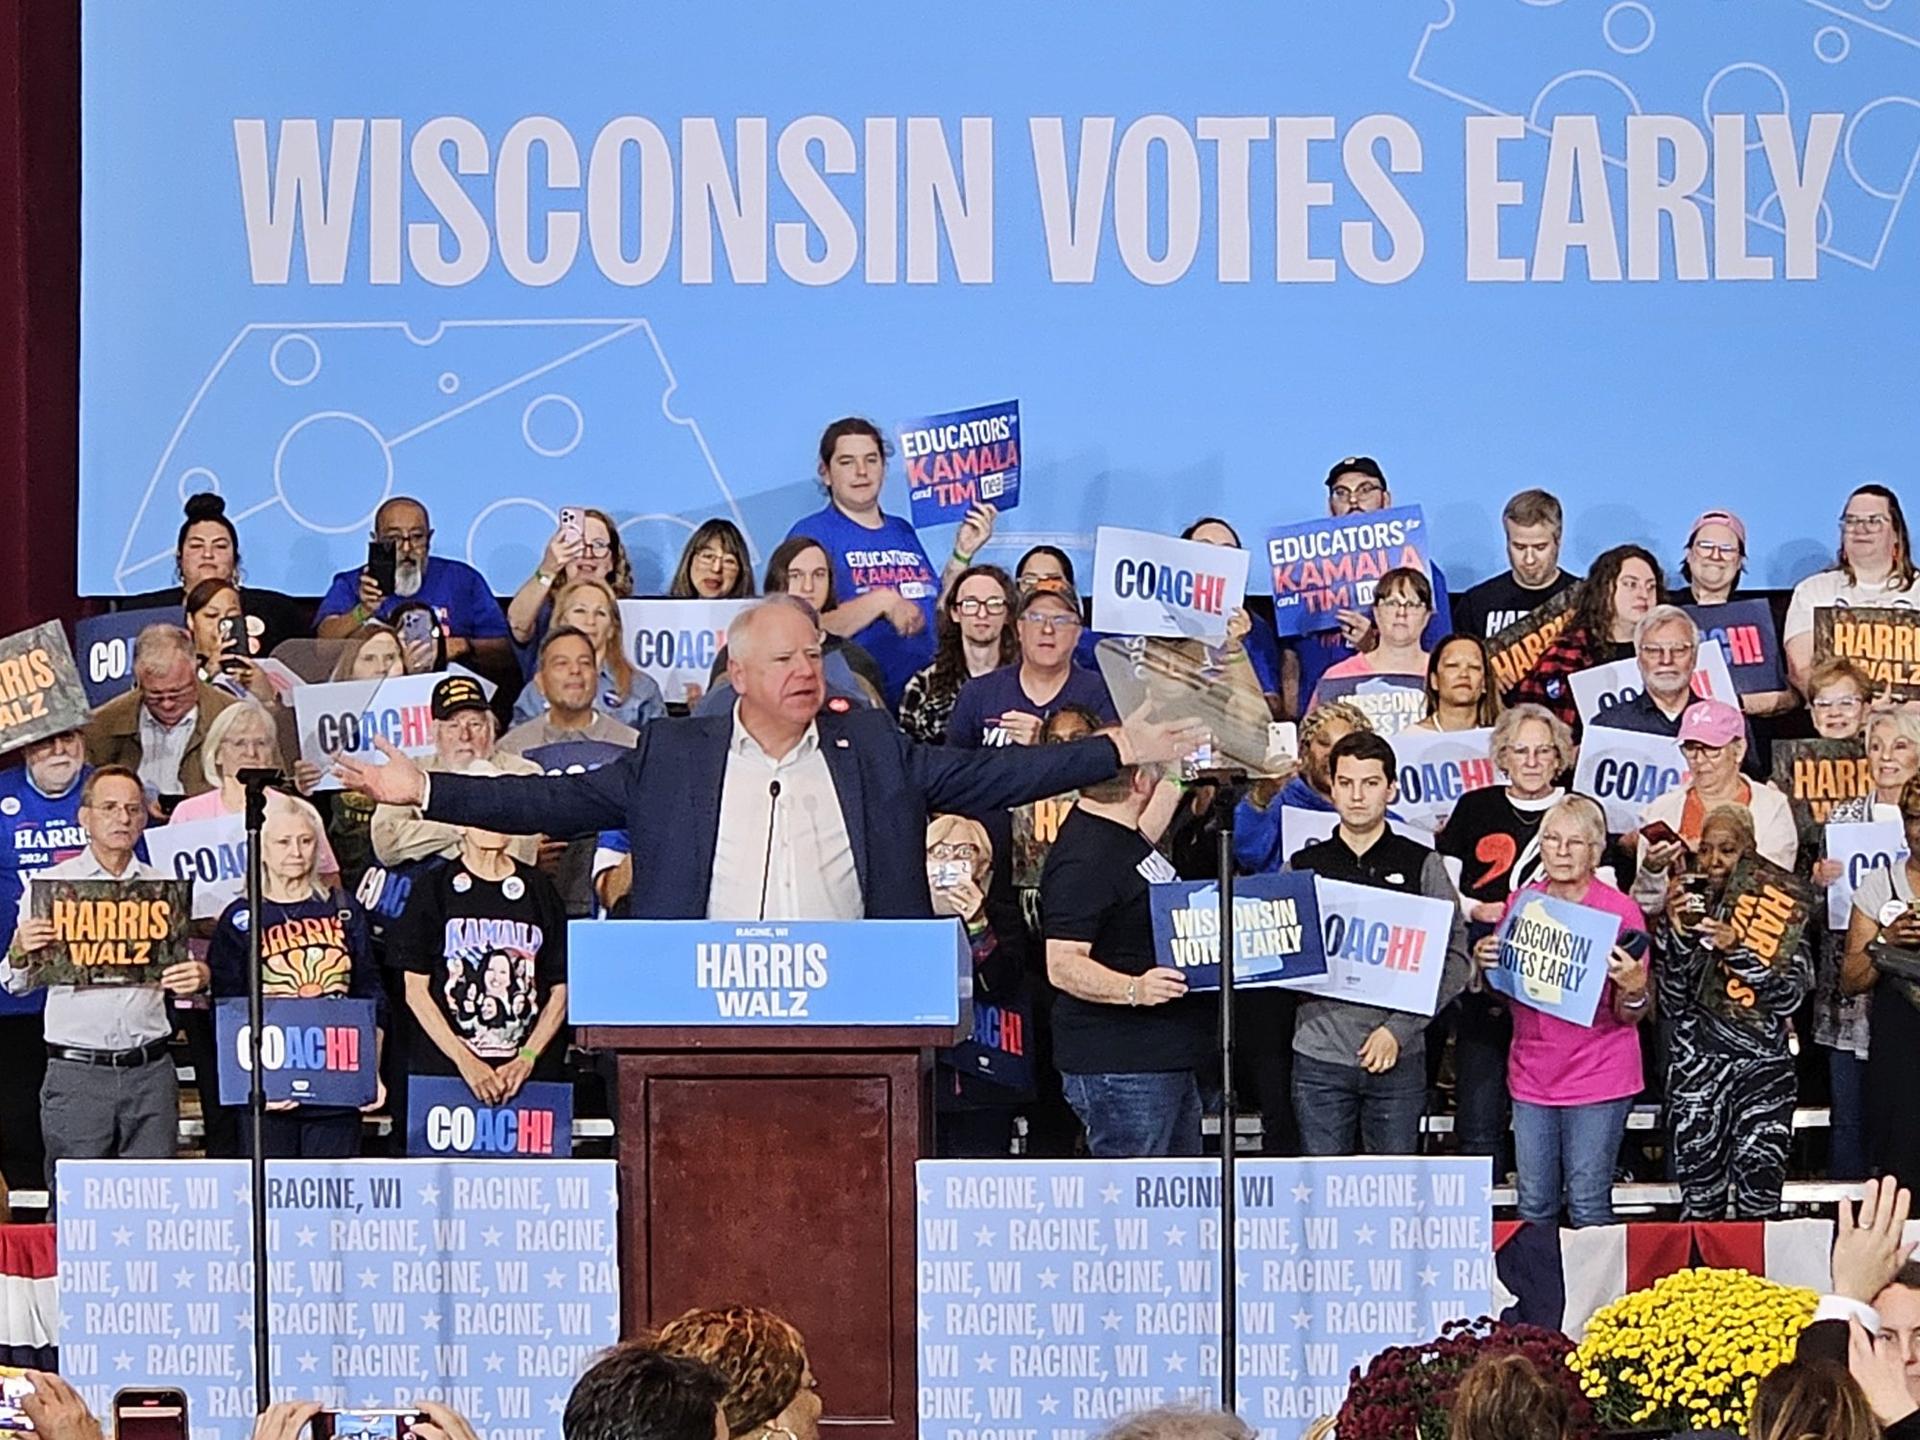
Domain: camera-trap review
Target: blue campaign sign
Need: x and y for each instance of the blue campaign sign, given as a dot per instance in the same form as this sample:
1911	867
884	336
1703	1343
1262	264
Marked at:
488	1285
961	459
103	648
1064	1294
575	757
1276	929
1000	1048
1748	638
1393	704
315	1051
629	260
784	972
1324	565
443	1119
1553	956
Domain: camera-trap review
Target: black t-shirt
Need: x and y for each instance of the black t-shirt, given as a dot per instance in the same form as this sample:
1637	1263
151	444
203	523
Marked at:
1092	889
1496	842
491	952
1495	603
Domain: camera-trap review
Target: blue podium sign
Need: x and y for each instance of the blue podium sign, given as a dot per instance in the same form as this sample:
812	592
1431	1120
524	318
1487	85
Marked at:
768	972
1064	1294
488	1285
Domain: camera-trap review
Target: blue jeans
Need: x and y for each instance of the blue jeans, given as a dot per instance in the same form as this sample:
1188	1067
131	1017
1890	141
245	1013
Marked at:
1570	1149
1847	1132
1129	1116
1342	1110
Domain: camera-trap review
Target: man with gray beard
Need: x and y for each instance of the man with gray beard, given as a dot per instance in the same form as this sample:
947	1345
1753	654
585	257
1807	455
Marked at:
469	617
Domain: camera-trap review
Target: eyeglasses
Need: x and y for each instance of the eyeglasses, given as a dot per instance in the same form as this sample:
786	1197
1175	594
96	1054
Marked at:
1700	750
405	537
720	558
1551	841
1354	493
1050	621
1531	752
129	808
947	850
599	549
972	606
1830	703
1862	523
1402	603
1715	550
1669	652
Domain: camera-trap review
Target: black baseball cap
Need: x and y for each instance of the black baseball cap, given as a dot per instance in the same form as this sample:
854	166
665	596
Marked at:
457	693
1356	465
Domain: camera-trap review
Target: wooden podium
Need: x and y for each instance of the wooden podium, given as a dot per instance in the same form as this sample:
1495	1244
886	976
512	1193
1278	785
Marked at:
773	1165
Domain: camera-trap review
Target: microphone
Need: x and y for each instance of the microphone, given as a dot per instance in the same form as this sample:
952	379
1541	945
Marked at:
256	778
766	865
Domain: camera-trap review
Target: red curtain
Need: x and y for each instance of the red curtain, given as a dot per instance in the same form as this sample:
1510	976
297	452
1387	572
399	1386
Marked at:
40	308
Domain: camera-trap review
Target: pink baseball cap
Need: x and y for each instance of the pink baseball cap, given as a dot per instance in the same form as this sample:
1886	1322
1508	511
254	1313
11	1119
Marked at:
1711	722
1720	517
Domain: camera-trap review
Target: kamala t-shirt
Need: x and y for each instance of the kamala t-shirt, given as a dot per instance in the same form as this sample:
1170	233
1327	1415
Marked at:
491	951
890	557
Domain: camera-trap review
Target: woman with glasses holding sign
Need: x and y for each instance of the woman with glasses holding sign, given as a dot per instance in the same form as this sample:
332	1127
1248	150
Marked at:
1874	568
1727	996
1573	1085
313	945
975	635
1883	960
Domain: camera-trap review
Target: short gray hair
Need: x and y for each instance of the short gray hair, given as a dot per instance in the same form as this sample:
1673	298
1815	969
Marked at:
1181	1422
1585	812
223	725
1664	615
1512	718
158	646
740	632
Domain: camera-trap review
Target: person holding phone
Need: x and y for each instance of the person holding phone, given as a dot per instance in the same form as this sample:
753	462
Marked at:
586	546
221	643
1886	918
401	567
1728	1017
1572	1085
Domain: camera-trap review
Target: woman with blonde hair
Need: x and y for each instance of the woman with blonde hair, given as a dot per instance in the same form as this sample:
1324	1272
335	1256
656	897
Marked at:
244	736
630	696
595	553
770	1387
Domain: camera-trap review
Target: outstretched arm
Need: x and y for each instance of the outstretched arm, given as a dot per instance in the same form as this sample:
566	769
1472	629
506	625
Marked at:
509	804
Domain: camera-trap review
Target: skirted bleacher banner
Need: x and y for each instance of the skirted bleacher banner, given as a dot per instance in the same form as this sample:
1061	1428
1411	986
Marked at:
486	1284
638	256
1065	1294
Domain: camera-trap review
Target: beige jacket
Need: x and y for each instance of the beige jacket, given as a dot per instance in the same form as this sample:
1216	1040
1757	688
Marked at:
400	833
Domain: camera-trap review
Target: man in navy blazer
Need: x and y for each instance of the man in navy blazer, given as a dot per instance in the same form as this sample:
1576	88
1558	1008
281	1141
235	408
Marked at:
671	792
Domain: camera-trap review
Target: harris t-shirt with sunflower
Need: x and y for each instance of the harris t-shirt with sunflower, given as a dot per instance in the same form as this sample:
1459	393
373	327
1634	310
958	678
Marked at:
310	949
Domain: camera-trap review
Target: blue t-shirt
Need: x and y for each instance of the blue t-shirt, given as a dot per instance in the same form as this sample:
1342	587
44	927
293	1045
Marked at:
890	557
1324	649
40	831
975	721
457	592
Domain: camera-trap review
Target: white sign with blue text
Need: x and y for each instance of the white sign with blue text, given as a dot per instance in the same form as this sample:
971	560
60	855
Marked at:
1383	947
1057	1296
212	853
1437	767
1861	847
773	972
342	717
1147	584
676	641
1627	771
487	1285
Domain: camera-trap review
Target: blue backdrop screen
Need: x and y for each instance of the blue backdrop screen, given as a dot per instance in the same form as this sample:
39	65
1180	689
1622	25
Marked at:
1652	254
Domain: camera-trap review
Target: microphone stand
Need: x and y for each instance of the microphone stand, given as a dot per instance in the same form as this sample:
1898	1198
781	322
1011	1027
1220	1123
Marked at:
256	783
1227	787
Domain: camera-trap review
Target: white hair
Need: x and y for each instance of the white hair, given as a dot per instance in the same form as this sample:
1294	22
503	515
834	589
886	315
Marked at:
221	728
1664	615
158	646
740	632
280	803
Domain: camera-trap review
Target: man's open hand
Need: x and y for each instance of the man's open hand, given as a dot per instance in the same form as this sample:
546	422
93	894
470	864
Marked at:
398	782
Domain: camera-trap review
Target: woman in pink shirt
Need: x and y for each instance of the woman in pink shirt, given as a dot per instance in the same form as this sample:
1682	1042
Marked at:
1572	1085
1402	603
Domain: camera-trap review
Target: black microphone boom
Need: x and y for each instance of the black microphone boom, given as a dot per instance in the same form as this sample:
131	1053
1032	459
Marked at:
766	865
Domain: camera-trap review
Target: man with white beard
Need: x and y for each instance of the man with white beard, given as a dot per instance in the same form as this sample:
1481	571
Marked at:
470	618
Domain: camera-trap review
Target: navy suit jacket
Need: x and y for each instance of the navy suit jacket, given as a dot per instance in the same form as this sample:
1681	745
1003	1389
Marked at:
666	795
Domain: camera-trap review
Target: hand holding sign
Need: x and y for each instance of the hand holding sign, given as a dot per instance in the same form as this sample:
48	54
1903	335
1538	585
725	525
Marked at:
398	782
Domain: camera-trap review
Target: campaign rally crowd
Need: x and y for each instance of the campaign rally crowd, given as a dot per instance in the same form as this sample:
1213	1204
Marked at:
458	934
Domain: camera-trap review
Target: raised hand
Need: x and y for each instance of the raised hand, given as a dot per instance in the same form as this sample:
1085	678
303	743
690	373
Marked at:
398	782
1867	1247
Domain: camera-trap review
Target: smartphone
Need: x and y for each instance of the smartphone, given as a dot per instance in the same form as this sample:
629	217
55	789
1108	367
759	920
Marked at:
382	557
365	1424
1635	943
235	644
573	524
417	628
14	1386
150	1414
1283	742
1659	832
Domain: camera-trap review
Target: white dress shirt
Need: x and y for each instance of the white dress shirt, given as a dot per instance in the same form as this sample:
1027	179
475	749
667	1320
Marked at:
811	875
94	1017
162	748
